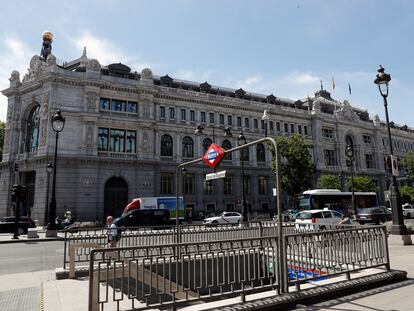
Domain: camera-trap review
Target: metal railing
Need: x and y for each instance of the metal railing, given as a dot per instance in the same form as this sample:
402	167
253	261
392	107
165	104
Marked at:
140	236
172	274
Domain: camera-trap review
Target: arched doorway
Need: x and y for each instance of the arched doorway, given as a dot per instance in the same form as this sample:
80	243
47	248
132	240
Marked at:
116	196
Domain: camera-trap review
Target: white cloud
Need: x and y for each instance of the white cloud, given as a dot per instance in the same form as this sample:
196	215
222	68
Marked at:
191	75
106	51
14	55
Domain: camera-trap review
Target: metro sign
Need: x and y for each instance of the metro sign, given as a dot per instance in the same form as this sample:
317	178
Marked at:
213	155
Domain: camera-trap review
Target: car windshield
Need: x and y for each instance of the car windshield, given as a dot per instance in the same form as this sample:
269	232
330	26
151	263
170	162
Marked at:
305	216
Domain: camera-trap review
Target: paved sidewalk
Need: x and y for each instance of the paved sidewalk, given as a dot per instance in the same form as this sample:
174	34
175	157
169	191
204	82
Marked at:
40	291
41	232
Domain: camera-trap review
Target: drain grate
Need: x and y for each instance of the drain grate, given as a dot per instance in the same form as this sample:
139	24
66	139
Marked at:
23	299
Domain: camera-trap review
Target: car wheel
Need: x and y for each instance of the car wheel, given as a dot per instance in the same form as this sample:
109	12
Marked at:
215	223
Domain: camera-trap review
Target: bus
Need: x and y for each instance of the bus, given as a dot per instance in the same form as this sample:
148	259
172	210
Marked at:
335	200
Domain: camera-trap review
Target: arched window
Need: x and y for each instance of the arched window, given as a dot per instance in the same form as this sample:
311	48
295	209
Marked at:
226	146
260	153
166	145
32	130
188	147
206	143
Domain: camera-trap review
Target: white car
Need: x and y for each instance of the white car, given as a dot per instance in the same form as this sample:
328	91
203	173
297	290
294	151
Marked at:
233	218
322	218
408	210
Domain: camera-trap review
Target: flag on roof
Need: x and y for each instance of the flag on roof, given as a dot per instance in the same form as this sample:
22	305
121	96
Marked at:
333	83
349	88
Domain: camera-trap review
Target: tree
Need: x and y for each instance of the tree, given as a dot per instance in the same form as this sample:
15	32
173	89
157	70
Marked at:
328	182
2	130
407	194
408	163
362	184
296	167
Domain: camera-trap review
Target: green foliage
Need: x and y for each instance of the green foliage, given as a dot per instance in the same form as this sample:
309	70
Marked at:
2	130
296	167
408	163
363	184
407	194
328	182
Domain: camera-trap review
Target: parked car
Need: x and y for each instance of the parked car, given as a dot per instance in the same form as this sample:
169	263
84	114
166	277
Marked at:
408	210
288	215
323	219
233	218
7	224
144	217
373	215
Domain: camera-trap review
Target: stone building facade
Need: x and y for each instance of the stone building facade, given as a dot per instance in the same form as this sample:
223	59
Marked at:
125	133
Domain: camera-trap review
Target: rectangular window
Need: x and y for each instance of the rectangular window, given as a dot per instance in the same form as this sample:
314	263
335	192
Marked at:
103	139
271	126
286	128
166	183
300	129
188	186
162	112
172	113
367	139
228	185
328	134
212	117
192	115
255	124
262	124
305	129
277	126
132	107
369	160
330	158
203	116
221	119
183	115
117	141
104	104
292	128
118	105
230	120
262	185
246	123
208	187
239	121
131	141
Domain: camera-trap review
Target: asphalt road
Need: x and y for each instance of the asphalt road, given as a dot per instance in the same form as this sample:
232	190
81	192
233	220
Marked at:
30	257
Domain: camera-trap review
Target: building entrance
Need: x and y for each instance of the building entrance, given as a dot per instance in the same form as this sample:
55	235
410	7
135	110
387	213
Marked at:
116	197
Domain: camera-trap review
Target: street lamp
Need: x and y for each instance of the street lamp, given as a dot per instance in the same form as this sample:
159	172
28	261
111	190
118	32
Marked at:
382	79
58	123
49	169
242	140
350	156
265	117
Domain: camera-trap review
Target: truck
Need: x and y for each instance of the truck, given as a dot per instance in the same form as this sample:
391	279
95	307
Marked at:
157	203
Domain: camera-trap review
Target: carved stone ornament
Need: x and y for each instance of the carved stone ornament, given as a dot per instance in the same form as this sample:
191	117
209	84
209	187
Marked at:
87	182
6	141
91	100
37	66
145	145
93	65
145	109
346	113
45	106
377	120
146	73
89	137
43	130
15	76
51	60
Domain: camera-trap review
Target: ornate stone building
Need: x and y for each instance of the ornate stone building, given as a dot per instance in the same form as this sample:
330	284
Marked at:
125	132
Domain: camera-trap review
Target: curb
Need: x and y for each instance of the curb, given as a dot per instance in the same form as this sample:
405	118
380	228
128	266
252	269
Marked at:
318	294
31	240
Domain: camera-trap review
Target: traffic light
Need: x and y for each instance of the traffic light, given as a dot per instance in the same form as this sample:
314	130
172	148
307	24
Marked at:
16	167
18	193
15	193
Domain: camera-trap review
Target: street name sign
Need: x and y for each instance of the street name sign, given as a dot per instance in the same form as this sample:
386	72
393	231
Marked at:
220	174
213	155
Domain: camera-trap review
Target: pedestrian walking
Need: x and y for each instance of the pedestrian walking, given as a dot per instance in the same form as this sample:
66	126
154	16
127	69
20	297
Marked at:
111	232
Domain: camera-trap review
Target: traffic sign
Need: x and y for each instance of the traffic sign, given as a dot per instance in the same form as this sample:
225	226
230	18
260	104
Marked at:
213	155
220	174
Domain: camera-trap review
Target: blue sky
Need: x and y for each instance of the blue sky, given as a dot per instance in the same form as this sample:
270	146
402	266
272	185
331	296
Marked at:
279	47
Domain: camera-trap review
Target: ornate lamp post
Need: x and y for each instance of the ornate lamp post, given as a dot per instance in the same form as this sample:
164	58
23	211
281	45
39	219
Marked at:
58	123
49	169
350	156
382	79
244	218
